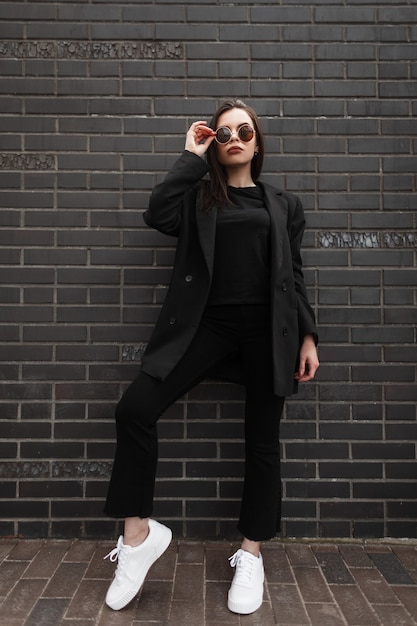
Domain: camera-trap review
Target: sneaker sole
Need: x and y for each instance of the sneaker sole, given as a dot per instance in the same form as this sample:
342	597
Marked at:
116	605
124	601
235	607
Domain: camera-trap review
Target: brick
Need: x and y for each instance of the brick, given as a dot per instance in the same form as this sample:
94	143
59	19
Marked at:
280	51
281	14
352	315
312	107
350	432
353	605
51	450
379	108
346	51
398	53
324	490
350	510
54	333
375	220
46	609
21	600
87	600
383	373
53	372
345	14
380	33
391	568
382	450
300	32
287	603
407	412
386	490
149	13
28	86
362	70
351	470
325	613
388	335
408	432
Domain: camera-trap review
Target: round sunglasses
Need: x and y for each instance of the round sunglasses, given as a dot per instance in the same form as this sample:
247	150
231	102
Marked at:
224	133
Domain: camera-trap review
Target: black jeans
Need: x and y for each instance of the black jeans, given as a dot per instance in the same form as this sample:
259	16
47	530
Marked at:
224	331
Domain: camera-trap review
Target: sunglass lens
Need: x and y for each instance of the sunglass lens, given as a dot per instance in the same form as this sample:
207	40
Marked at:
223	134
246	132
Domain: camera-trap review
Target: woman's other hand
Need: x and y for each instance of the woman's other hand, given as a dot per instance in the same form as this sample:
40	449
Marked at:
309	360
198	138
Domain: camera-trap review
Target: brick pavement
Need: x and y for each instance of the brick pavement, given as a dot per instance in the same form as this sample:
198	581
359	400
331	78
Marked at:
59	582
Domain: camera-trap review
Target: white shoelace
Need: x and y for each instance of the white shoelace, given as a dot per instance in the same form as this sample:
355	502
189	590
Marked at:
244	562
118	553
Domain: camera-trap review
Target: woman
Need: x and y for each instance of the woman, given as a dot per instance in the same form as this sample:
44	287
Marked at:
236	309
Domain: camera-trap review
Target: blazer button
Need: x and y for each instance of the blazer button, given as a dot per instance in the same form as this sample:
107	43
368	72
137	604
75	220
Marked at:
284	287
172	320
188	278
285	332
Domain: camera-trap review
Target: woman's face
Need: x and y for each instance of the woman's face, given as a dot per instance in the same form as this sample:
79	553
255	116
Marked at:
235	153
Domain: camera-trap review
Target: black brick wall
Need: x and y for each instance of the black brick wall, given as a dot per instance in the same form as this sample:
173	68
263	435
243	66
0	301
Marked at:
95	99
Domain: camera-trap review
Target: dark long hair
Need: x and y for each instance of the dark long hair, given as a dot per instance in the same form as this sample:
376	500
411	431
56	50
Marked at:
215	187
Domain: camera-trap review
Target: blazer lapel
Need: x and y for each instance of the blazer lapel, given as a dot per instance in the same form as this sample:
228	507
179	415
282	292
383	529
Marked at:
206	227
277	208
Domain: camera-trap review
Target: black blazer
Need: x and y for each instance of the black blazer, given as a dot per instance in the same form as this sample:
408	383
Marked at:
174	209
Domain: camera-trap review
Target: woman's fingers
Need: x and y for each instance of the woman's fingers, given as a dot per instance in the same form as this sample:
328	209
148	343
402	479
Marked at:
199	137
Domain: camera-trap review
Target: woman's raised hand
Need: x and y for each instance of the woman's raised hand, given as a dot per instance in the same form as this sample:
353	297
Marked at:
198	138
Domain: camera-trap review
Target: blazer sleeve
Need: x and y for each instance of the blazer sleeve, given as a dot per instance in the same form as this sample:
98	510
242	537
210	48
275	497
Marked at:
165	208
306	318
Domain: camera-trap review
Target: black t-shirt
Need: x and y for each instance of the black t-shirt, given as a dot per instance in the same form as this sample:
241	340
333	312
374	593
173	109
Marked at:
241	273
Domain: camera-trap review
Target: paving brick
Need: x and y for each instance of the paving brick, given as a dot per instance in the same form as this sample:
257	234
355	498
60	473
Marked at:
10	572
189	582
47	560
407	597
287	604
324	614
186	613
88	599
155	602
333	567
164	568
18	604
65	580
407	556
191	553
25	550
46	612
391	569
216	598
355	556
390	614
312	585
217	567
355	609
374	587
300	555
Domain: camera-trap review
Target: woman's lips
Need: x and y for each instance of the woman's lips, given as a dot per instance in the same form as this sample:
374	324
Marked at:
234	149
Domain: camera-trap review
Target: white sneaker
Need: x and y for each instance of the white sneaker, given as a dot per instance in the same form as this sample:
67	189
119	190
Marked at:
247	590
134	564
